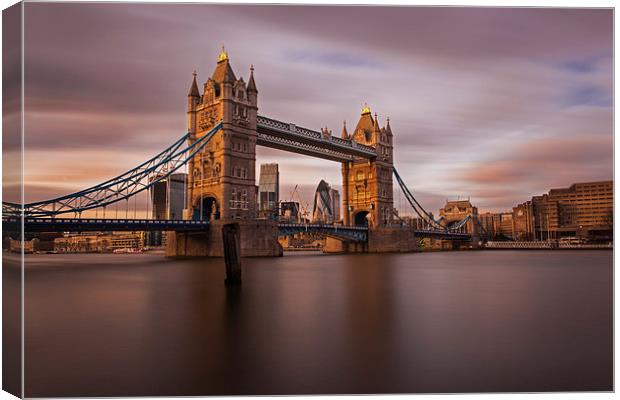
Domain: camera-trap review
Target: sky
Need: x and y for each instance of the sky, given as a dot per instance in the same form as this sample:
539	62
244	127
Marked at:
494	104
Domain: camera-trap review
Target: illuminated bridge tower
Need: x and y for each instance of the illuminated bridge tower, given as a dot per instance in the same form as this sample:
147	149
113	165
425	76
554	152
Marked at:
221	181
367	184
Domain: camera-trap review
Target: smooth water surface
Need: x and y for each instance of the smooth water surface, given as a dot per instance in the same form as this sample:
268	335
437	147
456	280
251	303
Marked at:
140	324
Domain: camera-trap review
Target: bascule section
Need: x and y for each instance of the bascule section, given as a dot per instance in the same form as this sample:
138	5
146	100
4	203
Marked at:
367	182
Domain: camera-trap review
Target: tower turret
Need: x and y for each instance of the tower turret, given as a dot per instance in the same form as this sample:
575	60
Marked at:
345	134
252	92
376	129
193	98
365	127
251	83
193	90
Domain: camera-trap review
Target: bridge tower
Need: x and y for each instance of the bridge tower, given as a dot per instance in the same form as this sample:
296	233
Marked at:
221	178
367	184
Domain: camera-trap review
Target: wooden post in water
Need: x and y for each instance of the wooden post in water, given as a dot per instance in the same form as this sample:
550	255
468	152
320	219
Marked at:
232	254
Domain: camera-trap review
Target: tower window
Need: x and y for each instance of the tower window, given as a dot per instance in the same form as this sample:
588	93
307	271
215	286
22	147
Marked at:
233	198
244	199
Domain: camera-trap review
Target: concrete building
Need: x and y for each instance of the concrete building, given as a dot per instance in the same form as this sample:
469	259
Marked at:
581	210
289	212
506	225
522	222
489	224
168	197
167	202
99	242
268	190
335	198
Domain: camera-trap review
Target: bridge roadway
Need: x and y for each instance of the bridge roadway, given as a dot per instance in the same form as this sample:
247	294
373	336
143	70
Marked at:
353	233
33	225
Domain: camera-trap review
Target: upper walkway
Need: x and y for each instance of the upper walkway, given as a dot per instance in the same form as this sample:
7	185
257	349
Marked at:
290	137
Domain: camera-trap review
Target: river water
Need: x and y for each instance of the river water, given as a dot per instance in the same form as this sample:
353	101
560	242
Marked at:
307	323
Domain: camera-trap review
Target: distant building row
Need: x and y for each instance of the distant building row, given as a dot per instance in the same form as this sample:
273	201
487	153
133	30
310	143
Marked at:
582	210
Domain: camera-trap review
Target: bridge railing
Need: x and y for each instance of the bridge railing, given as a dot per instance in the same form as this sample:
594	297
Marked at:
324	226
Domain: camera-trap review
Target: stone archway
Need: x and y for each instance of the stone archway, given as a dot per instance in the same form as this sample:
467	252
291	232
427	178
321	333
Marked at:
206	208
361	218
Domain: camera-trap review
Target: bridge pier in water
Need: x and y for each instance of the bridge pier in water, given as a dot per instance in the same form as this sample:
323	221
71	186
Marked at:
232	254
258	238
380	240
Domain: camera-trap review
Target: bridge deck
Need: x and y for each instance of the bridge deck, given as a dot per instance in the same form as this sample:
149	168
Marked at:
354	233
100	224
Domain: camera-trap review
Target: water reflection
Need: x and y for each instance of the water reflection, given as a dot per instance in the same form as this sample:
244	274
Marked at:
109	325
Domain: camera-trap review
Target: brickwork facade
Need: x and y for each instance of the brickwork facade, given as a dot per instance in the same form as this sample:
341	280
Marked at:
367	184
221	178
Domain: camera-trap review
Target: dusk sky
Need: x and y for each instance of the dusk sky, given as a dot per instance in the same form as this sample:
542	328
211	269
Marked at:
494	104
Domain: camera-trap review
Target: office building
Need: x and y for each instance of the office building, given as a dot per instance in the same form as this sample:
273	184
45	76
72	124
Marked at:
326	207
289	212
268	190
168	197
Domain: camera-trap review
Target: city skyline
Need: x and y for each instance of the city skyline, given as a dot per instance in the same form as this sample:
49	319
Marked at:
477	110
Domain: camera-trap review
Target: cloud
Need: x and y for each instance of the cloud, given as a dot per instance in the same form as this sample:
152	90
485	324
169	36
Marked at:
471	92
533	167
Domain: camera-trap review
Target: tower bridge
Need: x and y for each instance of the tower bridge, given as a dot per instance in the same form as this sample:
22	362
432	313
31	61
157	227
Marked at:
219	151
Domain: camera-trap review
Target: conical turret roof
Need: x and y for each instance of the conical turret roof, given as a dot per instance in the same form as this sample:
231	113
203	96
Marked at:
223	71
251	83
193	90
366	123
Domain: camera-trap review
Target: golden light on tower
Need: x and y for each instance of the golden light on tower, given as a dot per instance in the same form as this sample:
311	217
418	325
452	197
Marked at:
366	109
223	55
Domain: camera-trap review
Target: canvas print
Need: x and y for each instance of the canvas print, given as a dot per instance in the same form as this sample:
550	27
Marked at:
227	199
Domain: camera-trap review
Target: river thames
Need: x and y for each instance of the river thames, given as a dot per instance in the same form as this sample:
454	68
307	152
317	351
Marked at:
306	323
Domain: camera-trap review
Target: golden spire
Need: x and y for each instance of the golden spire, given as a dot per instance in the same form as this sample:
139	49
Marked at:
223	55
366	109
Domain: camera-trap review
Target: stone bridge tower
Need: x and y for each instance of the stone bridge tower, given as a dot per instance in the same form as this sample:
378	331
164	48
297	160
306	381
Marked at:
367	184
221	179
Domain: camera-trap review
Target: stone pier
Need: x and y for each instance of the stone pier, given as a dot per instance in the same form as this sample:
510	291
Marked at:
380	240
259	238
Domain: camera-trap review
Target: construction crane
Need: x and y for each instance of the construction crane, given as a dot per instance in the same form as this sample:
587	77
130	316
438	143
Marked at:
292	200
